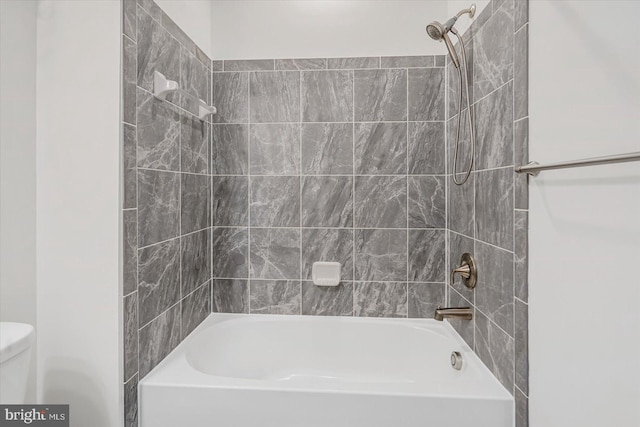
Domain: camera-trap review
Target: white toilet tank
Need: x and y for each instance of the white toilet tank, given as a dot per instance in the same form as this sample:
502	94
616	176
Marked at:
16	340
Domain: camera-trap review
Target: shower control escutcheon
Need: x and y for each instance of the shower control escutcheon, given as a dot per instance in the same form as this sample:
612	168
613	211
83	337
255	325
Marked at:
467	270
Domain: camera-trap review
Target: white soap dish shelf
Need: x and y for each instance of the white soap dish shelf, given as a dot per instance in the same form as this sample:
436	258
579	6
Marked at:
163	87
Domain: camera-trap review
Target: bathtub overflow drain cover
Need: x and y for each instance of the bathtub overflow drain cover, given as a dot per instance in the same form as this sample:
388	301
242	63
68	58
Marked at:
456	360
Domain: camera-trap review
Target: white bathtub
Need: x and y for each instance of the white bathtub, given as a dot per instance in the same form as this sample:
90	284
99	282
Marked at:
307	371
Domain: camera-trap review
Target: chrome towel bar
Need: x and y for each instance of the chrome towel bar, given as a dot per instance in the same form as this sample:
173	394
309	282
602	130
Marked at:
534	168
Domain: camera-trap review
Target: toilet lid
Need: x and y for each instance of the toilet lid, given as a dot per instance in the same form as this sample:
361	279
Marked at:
14	339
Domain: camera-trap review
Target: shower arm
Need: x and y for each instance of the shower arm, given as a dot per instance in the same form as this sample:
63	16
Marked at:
471	11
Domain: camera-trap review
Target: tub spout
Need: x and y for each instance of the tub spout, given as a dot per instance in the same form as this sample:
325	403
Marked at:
465	313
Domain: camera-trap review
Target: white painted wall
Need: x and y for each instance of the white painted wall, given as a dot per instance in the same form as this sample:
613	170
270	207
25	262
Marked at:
194	17
584	223
305	29
18	167
77	160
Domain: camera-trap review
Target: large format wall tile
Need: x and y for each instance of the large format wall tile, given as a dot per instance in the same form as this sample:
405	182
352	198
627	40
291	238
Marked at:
425	298
195	79
194	145
195	307
230	149
453	85
195	197
374	299
327	96
380	95
353	63
249	65
521	157
522	409
494	129
130	251
275	201
275	296
230	296
129	18
231	97
130	335
301	64
158	134
426	94
275	97
494	293
521	72
427	202
494	207
230	201
158	338
129	80
158	206
522	247
493	52
275	253
426	148
462	141
129	169
275	149
131	402
159	283
381	148
381	202
195	253
407	61
230	252
327	148
461	206
327	300
427	255
381	255
157	51
327	201
522	345
495	349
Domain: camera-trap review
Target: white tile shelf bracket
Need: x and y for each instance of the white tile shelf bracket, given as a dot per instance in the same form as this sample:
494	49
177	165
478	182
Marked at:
163	87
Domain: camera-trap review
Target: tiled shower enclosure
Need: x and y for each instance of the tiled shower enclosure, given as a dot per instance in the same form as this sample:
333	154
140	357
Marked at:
329	160
322	159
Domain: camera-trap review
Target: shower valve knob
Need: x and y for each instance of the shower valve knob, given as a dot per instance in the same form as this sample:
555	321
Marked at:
467	270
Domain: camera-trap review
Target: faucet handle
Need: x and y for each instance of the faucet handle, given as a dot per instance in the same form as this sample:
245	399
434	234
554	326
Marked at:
467	270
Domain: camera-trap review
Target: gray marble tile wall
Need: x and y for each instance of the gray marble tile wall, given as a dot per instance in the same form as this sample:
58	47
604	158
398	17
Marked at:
329	159
166	194
488	215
